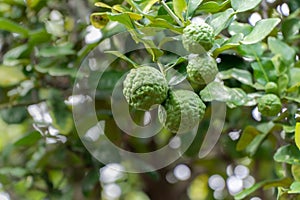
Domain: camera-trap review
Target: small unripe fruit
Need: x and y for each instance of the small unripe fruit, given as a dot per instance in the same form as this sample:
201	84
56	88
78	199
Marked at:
183	111
201	69
271	88
269	105
144	87
198	38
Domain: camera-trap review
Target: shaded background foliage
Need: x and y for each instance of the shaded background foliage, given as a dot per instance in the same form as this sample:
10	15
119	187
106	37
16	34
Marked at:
42	44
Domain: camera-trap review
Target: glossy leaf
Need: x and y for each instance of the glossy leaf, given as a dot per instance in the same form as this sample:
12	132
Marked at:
192	6
288	154
244	5
243	76
261	30
238	28
248	135
216	91
221	20
213	7
285	51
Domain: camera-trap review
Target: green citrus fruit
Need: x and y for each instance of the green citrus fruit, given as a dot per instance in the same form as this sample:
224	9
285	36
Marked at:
183	111
144	87
202	69
269	105
271	87
198	38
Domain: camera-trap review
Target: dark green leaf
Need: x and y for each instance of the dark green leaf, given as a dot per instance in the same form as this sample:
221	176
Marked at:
61	116
89	182
28	139
14	115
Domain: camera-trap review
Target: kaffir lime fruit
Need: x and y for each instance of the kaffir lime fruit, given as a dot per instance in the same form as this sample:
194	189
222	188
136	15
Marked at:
269	105
271	87
198	38
202	69
144	87
183	111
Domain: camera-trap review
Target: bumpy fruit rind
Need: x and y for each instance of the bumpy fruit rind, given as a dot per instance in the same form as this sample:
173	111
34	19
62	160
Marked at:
202	69
269	105
144	87
198	38
183	111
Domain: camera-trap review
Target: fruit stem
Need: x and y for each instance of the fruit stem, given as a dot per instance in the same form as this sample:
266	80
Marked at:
171	13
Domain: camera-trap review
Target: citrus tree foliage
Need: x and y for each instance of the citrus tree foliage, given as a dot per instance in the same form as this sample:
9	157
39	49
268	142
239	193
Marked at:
251	67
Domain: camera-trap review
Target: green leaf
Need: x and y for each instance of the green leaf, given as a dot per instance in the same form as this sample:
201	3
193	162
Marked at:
248	135
261	30
29	139
290	28
11	26
89	182
122	56
296	172
232	42
179	8
13	171
221	20
192	6
216	91
244	5
248	191
264	71
18	52
252	137
285	51
288	154
295	188
10	76
14	115
39	36
213	7
61	116
237	28
241	75
62	50
252	50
